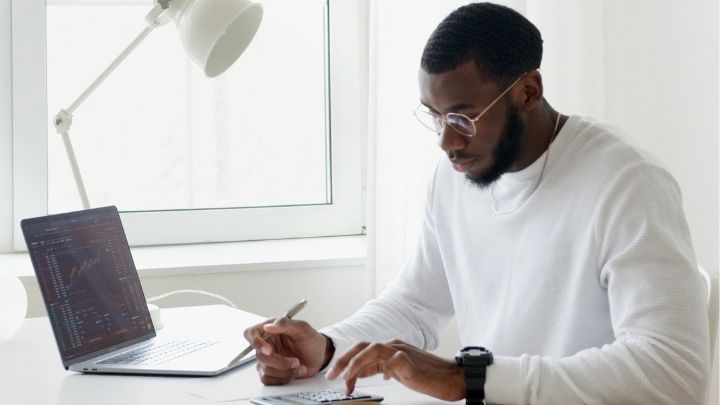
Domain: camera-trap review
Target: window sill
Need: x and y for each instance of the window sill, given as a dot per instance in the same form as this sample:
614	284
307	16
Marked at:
155	261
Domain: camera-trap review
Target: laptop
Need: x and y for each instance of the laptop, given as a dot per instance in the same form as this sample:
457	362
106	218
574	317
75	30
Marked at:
97	307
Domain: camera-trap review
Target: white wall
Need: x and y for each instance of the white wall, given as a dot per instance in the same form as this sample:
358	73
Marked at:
5	129
661	67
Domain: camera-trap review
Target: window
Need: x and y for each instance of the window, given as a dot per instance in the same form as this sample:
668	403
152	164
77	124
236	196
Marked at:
270	149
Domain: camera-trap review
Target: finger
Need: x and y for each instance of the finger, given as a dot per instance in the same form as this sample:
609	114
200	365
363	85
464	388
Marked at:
343	360
277	361
350	385
367	358
291	328
383	368
279	372
276	369
302	371
253	335
275	381
273	376
400	367
366	372
371	370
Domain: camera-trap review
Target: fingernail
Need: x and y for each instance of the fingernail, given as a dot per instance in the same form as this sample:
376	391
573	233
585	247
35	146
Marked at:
330	375
302	371
266	350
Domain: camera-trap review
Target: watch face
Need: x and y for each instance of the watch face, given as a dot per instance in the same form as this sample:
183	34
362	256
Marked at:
474	352
473	355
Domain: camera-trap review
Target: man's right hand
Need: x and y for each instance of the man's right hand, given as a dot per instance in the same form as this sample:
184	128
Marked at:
293	350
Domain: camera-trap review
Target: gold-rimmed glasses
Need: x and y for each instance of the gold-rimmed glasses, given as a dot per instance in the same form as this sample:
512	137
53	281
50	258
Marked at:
459	122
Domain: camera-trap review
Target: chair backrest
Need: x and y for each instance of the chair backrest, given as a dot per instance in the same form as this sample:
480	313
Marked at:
711	277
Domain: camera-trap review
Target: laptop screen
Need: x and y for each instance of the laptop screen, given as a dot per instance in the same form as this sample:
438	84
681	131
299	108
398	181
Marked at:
88	280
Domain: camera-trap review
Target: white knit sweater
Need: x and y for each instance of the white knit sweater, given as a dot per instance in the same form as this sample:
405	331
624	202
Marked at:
586	289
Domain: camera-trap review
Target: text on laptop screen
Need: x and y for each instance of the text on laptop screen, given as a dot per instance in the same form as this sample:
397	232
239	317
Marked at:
92	291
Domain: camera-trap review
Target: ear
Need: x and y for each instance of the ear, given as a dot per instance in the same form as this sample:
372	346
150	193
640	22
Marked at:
529	91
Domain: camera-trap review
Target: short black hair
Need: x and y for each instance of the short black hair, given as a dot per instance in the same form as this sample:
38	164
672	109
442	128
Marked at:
502	42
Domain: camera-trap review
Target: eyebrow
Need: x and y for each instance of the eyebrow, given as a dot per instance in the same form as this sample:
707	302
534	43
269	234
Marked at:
452	108
461	106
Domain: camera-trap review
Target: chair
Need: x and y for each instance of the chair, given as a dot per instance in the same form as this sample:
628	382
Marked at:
711	278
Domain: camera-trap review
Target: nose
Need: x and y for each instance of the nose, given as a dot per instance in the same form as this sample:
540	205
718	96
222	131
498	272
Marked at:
450	140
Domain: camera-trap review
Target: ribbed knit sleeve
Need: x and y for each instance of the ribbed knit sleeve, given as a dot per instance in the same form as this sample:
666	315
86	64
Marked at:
413	308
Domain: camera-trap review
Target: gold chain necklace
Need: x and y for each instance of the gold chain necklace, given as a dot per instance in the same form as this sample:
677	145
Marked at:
537	184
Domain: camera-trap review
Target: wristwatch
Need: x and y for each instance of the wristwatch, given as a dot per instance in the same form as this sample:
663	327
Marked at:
474	360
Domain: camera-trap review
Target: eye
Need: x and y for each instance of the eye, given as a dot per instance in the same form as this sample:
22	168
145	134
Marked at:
461	124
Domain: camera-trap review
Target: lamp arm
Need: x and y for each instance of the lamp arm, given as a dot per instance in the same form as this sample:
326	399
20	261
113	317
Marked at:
63	119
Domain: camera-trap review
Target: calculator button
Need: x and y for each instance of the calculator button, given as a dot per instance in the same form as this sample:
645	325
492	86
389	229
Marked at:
328	396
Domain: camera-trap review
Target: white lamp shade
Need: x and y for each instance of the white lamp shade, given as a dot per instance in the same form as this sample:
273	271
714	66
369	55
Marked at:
215	33
13	304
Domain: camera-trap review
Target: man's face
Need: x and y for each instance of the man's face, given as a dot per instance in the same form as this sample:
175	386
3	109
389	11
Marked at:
495	147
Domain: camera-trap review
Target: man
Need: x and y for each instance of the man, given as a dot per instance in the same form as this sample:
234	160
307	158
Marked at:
560	247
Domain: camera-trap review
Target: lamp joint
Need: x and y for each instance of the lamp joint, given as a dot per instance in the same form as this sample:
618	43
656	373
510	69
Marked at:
63	121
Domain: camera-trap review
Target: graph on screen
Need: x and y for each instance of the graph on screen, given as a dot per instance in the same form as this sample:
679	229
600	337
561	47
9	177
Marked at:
88	280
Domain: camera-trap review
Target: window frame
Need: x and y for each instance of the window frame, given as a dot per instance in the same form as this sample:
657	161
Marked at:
347	120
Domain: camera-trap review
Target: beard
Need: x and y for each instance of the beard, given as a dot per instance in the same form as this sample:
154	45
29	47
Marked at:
506	152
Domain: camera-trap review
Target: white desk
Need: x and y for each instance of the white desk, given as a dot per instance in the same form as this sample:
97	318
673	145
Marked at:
31	373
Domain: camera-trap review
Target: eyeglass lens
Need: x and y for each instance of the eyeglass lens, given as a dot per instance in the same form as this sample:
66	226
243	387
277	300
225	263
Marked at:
458	122
428	120
461	124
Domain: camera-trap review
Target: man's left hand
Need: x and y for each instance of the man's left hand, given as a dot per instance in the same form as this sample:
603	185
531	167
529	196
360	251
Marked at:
414	368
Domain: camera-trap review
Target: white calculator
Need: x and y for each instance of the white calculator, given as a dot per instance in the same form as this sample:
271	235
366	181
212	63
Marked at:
317	397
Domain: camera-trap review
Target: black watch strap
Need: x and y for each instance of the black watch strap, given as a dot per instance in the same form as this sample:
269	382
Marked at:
474	361
475	382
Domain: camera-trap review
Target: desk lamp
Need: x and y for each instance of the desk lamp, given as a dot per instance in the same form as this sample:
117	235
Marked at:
214	33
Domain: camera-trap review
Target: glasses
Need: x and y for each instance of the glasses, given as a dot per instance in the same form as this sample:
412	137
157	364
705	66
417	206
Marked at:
459	122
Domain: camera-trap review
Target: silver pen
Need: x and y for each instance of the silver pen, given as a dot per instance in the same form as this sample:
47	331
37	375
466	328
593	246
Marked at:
289	315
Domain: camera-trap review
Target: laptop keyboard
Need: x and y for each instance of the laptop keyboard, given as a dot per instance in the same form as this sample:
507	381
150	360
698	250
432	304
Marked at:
158	353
